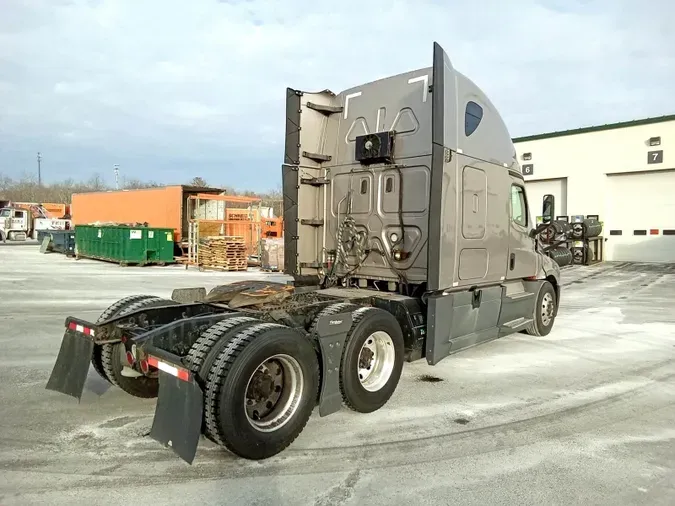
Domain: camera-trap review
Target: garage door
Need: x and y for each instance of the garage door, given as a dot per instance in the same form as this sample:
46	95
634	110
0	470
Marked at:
641	208
537	189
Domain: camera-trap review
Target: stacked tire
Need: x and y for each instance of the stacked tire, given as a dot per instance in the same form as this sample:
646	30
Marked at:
586	229
580	254
561	255
556	229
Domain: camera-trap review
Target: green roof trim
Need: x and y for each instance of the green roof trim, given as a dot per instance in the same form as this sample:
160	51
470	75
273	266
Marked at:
599	128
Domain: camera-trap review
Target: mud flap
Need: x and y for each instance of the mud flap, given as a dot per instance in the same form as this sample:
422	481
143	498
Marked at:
332	331
178	415
72	365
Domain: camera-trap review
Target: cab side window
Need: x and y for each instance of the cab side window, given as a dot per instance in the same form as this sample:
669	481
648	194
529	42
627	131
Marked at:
518	205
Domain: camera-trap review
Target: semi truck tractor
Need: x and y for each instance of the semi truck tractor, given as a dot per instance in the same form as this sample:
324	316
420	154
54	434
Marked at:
20	222
407	235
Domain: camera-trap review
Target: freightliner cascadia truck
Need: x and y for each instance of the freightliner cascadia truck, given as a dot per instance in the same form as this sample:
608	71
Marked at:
407	236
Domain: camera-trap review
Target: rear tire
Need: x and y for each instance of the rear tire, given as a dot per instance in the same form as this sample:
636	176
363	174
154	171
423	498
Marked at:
261	390
372	360
340	307
111	311
113	357
545	311
114	360
204	351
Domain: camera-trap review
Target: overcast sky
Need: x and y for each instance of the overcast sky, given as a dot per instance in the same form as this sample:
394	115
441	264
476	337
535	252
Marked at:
171	89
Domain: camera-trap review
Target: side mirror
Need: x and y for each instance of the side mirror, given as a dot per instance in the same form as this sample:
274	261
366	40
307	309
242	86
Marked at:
548	209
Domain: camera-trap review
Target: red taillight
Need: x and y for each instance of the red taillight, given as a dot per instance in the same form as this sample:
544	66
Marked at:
130	358
144	366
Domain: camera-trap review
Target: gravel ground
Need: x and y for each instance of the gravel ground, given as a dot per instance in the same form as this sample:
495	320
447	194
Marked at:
582	416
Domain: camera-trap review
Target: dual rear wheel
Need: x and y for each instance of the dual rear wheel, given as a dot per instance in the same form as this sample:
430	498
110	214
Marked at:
260	383
261	380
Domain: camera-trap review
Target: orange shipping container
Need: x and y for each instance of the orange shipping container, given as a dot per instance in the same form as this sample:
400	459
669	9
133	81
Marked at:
164	206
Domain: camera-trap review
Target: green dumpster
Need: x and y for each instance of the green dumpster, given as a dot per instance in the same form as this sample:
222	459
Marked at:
125	245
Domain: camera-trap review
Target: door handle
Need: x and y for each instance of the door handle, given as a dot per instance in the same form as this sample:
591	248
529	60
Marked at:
476	298
512	261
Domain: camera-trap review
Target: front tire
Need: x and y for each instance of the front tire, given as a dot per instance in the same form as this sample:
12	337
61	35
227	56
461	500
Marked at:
545	310
261	390
372	360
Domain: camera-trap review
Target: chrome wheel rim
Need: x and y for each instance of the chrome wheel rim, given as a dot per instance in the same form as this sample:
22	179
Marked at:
376	361
547	308
273	393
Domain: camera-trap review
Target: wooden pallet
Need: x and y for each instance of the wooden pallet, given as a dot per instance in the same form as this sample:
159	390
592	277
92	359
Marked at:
222	268
225	253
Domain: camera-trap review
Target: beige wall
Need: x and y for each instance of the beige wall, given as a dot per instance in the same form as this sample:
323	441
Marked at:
586	159
592	164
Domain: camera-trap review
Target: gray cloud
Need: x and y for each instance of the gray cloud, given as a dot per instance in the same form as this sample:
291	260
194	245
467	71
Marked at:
172	89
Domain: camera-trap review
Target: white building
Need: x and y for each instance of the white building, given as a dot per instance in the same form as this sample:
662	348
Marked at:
624	172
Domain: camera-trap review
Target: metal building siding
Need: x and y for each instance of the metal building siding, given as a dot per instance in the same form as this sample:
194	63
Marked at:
536	191
585	159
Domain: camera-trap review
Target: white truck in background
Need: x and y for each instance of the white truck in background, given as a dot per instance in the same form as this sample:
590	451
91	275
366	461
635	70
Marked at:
20	224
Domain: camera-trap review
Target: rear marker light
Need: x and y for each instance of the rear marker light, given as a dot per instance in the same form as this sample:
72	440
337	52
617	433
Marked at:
654	231
178	372
130	358
80	328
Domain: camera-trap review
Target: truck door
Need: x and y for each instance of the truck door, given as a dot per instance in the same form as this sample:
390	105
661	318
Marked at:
522	260
19	221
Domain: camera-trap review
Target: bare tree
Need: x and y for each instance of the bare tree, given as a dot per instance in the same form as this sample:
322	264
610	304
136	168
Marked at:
26	189
96	183
198	181
135	184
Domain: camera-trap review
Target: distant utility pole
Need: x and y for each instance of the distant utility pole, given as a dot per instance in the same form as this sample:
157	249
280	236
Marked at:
116	168
39	160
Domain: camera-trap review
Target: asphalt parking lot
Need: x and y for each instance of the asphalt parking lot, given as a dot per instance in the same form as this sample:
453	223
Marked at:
582	416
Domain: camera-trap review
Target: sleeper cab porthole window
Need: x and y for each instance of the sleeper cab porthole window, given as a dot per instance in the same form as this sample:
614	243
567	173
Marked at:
472	117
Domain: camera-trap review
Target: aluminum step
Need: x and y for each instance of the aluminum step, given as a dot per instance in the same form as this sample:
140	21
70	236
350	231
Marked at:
520	295
518	323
